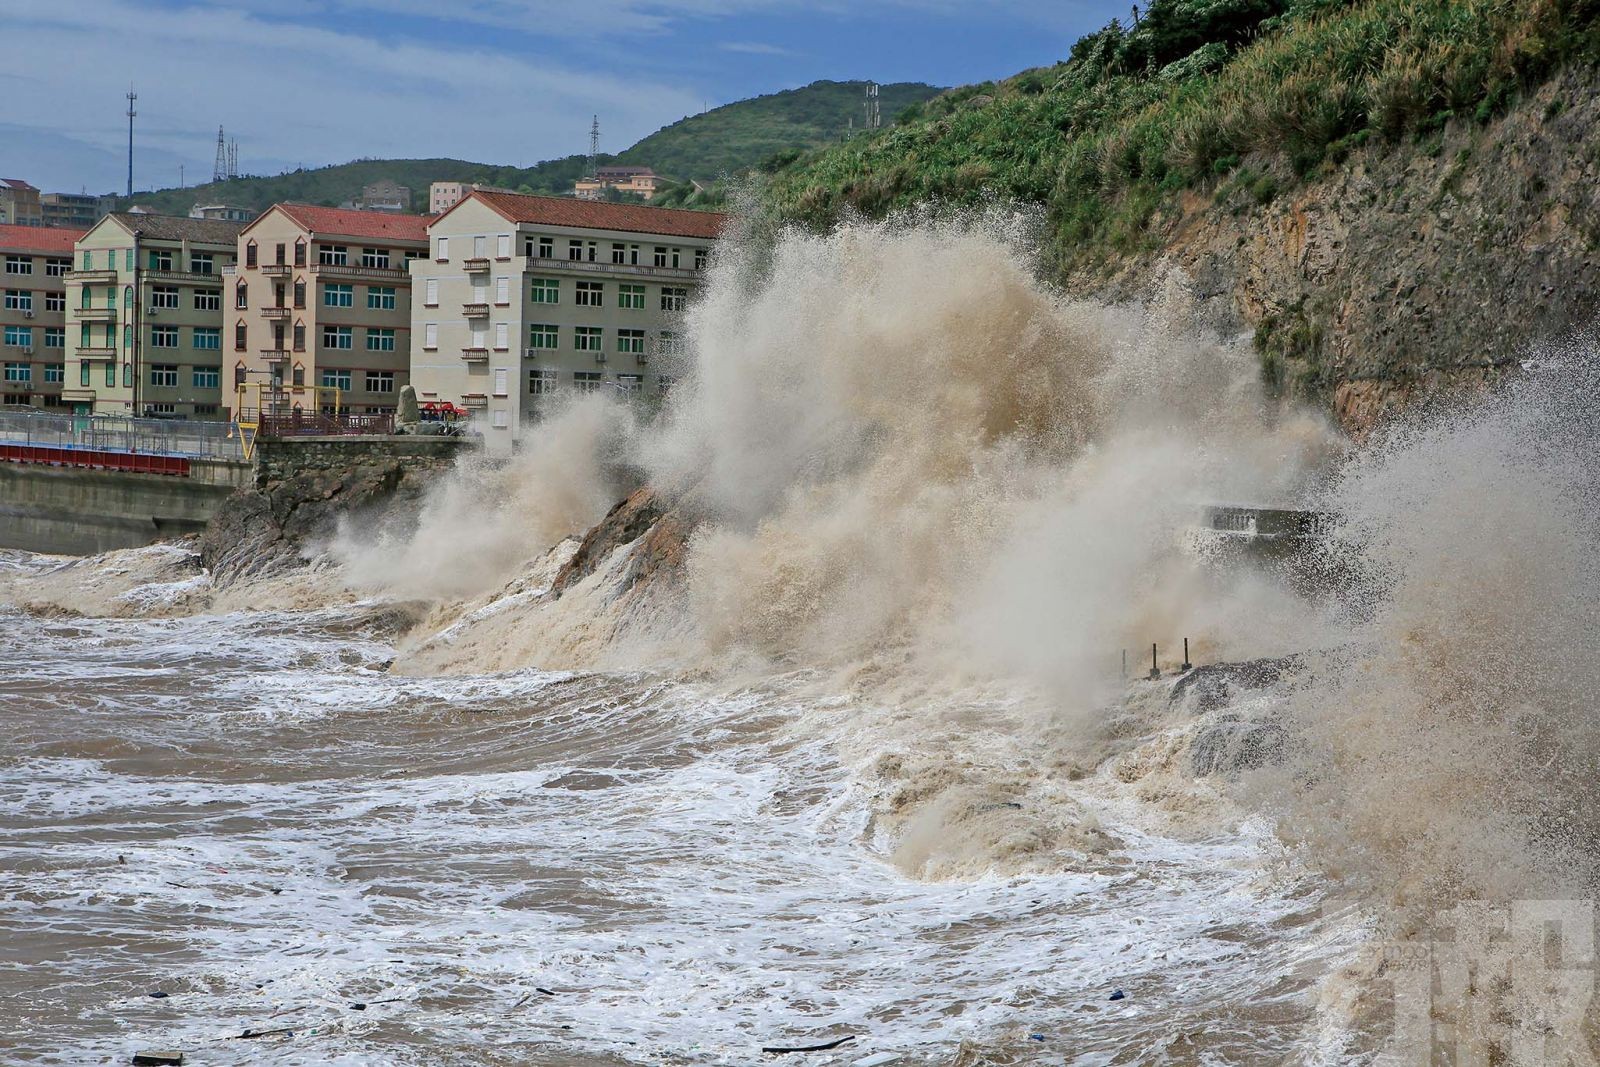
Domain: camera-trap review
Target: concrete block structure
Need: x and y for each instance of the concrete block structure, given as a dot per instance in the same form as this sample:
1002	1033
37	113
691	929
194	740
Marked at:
76	211
34	263
523	297
442	196
639	181
19	204
145	316
321	297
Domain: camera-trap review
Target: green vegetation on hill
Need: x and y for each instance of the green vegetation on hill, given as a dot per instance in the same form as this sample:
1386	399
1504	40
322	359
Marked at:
731	138
1211	96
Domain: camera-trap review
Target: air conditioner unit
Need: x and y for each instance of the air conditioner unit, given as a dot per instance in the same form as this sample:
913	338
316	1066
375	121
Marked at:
599	357
27	350
154	310
27	314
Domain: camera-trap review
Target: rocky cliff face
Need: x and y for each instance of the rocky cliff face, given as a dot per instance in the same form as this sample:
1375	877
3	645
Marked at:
1408	271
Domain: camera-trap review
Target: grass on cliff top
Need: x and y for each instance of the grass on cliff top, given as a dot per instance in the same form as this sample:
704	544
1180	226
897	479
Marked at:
1109	138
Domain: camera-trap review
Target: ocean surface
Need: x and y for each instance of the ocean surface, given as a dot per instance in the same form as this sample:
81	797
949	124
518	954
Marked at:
230	824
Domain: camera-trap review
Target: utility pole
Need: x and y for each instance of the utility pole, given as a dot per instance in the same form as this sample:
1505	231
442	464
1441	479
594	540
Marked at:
873	119
132	96
594	147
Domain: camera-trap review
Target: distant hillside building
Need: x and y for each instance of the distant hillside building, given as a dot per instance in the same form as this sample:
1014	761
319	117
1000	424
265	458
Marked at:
221	213
442	196
527	297
19	203
383	195
641	181
146	311
320	301
33	320
77	211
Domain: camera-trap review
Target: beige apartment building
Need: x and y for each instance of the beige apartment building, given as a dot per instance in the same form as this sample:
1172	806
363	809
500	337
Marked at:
145	316
19	204
34	261
640	181
523	297
321	297
442	196
76	211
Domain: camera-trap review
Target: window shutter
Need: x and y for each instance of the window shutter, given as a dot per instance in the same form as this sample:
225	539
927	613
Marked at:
500	381
444	248
430	335
502	337
503	246
502	290
432	291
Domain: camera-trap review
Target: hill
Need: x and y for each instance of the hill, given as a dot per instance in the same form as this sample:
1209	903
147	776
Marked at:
734	137
1379	189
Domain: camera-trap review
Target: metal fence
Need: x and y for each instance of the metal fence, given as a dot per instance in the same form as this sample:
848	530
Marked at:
166	437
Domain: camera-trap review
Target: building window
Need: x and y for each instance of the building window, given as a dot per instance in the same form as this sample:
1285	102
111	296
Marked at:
278	255
502	291
240	336
380	298
587	381
55	373
55	337
250	254
541	382
700	257
336	379
164	297
205	409
207	339
207	377
238	374
299	253
430	293
667	343
661	256
375	258
545	291
163	337
19	300
674	299
380	340
299	293
587	338
161	409
339	296
19	372
547	248
334	256
443	252
430	335
24	264
241	296
544	336
590	294
380	381
111	376
55	301
200	262
619	253
164	374
339	337
575	249
21	336
631	341
160	259
299	337
675	253
83	374
208	300
630	383
502	246
630	297
57	268
299	374
502	336
127	259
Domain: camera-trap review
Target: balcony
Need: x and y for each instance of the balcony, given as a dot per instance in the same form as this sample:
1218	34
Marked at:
476	265
189	276
474	400
549	264
276	270
275	355
95	314
345	270
275	314
475	311
92	277
475	355
97	353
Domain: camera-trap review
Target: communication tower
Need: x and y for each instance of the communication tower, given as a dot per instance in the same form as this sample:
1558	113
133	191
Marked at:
219	170
873	118
594	147
132	96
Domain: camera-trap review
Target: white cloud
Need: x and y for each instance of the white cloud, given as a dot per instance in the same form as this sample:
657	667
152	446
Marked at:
754	48
296	93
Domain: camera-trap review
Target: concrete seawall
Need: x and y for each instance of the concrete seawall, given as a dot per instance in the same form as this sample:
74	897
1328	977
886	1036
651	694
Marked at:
79	510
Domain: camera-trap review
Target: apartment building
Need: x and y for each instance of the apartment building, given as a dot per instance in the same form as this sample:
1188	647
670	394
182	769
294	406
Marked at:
222	212
144	335
77	211
19	204
523	297
640	181
322	297
34	261
381	195
442	196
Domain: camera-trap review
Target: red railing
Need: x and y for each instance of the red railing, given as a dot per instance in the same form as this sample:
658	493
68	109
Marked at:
95	459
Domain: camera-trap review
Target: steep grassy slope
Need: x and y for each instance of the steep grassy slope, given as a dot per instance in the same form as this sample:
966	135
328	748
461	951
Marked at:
1236	116
730	138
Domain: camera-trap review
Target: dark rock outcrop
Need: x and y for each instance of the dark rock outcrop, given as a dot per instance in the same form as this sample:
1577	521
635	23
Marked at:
1235	743
658	531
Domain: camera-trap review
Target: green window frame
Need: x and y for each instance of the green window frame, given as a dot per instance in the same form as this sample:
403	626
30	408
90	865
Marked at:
338	296
630	297
544	336
545	291
380	340
380	298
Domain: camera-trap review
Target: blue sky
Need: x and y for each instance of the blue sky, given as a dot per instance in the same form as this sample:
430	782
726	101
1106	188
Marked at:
310	82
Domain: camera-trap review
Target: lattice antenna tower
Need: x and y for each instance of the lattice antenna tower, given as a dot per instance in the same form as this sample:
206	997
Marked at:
594	147
874	120
219	170
233	158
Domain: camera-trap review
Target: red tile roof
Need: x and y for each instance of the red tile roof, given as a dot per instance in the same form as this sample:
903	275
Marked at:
599	215
343	222
17	183
51	239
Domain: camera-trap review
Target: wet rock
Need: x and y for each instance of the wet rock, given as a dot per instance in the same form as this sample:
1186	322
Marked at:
1216	685
660	530
157	1059
1233	743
